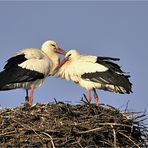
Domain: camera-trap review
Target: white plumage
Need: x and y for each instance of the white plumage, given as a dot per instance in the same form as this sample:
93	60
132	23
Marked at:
36	61
29	68
93	72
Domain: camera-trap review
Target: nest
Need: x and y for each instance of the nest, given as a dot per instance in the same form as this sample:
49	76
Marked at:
55	125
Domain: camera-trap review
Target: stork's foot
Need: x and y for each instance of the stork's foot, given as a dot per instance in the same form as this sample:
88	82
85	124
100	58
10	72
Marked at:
27	103
96	100
30	100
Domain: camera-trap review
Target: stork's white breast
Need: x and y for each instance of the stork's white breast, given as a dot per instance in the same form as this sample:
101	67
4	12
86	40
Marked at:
72	70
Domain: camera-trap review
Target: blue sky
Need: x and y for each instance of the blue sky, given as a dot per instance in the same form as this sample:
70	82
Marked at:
117	29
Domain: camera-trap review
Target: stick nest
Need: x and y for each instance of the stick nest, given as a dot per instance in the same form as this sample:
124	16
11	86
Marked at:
58	124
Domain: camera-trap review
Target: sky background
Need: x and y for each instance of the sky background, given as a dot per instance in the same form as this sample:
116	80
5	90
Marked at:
116	29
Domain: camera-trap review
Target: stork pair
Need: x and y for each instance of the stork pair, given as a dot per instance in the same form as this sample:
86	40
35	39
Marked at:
30	67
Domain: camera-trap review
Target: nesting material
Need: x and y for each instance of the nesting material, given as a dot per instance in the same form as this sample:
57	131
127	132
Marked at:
58	124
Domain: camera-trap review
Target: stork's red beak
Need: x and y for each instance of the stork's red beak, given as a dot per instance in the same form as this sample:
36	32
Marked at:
60	51
61	64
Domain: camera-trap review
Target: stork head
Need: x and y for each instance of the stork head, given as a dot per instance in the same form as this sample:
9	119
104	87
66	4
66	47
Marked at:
71	55
51	46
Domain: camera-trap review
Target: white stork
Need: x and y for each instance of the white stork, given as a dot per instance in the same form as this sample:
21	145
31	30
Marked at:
93	72
29	68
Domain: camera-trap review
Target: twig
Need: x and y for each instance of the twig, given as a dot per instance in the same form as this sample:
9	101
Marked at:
50	139
129	139
8	133
114	133
131	113
106	142
91	130
28	127
117	124
55	100
84	101
126	106
112	107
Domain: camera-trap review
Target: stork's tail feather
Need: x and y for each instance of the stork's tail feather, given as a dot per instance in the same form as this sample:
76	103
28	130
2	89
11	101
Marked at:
9	87
5	88
118	89
4	82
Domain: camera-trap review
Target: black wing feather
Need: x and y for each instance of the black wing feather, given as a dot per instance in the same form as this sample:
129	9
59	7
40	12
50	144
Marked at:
113	76
109	77
18	75
14	61
12	73
109	64
108	58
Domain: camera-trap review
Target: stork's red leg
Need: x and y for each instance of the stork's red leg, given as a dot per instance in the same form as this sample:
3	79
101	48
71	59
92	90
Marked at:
89	96
31	96
96	97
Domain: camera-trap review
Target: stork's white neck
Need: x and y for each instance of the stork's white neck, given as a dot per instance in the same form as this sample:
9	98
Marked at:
55	59
55	62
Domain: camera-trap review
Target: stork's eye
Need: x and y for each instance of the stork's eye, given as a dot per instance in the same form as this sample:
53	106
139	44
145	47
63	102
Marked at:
53	45
69	55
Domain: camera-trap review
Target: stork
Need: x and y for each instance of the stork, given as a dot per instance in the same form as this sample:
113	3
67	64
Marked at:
92	72
29	68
